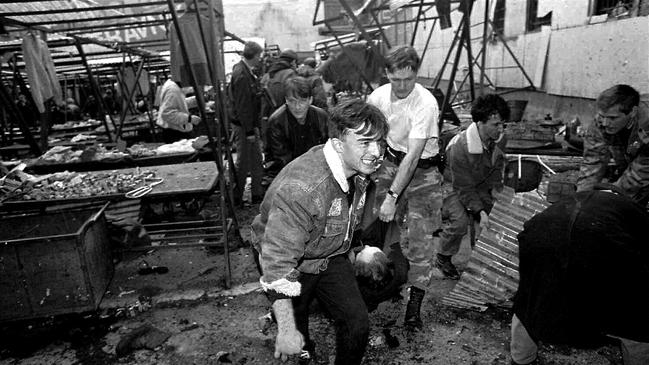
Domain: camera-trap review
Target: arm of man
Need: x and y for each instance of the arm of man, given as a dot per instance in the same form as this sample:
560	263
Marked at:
596	158
636	176
278	141
289	340
283	243
404	174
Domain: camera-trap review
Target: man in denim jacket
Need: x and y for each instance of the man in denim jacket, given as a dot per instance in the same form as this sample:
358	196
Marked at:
305	230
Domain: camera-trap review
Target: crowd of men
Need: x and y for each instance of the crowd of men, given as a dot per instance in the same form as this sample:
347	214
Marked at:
361	167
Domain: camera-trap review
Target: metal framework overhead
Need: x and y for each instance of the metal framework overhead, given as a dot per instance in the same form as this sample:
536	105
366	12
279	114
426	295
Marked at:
462	41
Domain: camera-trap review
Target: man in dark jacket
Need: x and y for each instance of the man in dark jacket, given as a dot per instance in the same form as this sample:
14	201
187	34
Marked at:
297	125
282	70
246	108
584	275
305	229
476	162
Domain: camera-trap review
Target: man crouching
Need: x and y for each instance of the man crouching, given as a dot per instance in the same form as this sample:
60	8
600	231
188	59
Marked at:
305	230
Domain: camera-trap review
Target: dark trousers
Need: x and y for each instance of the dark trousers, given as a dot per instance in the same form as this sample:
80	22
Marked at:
337	291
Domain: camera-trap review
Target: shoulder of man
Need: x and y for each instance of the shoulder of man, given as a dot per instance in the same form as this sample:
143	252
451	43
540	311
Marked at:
279	113
380	94
643	122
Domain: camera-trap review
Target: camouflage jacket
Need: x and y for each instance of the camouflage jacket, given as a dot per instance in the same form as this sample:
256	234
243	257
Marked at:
629	150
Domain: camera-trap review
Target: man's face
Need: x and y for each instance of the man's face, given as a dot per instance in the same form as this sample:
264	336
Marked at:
256	61
360	154
403	81
613	120
298	106
493	128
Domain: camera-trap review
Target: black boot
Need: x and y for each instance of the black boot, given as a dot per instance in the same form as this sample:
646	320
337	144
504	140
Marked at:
413	319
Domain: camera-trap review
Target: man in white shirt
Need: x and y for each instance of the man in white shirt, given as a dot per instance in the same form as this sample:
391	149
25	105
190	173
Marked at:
174	116
409	180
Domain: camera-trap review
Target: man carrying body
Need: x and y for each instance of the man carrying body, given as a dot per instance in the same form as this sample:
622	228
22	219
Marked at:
246	109
620	131
409	176
584	275
476	162
174	117
297	125
304	233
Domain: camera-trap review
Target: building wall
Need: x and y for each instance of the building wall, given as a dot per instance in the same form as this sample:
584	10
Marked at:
581	60
286	23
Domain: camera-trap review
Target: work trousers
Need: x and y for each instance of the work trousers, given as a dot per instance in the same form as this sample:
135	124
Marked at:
418	216
524	350
249	161
338	292
456	223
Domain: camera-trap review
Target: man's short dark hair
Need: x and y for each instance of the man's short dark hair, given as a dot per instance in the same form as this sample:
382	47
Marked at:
402	57
624	95
354	114
298	87
251	49
489	104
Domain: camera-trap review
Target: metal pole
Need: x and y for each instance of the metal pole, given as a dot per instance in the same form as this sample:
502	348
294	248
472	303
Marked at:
201	106
430	34
381	31
484	47
129	95
145	98
95	88
438	78
414	32
468	6
512	54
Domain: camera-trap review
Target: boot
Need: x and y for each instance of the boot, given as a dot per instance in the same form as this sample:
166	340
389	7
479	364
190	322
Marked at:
413	319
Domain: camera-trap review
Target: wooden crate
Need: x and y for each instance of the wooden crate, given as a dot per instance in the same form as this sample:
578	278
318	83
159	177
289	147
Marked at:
53	263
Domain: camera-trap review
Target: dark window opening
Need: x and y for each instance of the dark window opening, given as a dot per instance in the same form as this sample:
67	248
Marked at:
499	17
534	22
612	7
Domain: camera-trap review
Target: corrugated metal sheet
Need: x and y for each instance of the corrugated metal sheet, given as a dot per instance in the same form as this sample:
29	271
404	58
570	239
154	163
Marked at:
491	277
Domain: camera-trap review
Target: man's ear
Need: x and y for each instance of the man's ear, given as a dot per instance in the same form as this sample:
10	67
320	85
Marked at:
337	144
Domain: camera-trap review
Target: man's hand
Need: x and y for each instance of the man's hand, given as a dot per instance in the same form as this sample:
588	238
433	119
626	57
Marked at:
388	208
195	119
288	342
484	220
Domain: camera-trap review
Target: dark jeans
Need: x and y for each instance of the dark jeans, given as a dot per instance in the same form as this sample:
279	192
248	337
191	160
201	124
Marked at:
337	291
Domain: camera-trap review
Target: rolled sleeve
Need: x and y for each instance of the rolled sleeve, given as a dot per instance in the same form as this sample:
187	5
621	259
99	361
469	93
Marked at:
596	158
424	122
284	241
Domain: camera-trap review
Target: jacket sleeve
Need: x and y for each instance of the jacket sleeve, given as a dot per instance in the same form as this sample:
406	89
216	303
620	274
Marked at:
635	178
242	96
596	158
462	178
278	140
284	240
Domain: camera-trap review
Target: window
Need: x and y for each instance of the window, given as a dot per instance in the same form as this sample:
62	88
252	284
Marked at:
612	7
534	22
499	17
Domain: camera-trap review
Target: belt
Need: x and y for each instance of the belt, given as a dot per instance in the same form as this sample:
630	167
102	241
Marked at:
396	157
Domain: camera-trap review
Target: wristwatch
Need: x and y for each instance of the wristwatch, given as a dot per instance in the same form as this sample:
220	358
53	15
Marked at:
393	194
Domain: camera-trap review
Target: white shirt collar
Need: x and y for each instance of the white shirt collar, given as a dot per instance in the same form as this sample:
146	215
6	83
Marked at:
336	165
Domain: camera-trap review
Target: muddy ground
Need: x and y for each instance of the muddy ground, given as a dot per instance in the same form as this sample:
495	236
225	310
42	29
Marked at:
191	319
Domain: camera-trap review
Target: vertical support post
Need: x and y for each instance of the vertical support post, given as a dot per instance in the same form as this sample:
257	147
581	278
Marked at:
484	46
430	34
10	107
95	88
144	97
129	95
201	106
468	6
414	32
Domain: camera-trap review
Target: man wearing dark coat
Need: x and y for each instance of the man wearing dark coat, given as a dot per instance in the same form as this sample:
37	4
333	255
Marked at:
584	277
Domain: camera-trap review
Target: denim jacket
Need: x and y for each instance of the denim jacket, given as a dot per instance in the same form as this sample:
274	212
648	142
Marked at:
305	219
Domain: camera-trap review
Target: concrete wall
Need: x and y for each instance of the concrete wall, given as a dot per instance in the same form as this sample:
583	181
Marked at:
581	60
283	22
